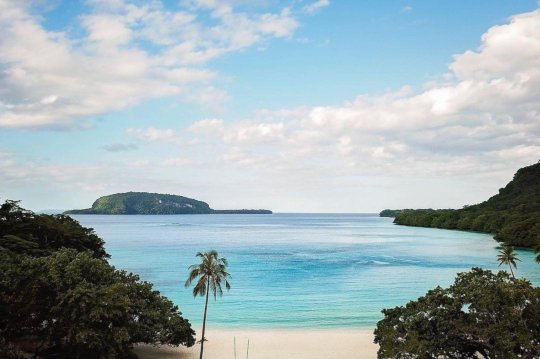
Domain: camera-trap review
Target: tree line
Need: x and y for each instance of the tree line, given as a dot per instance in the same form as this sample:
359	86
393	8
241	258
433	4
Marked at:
512	215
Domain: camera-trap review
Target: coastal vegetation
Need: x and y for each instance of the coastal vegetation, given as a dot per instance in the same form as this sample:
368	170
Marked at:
155	203
512	215
482	315
509	257
210	274
389	212
59	296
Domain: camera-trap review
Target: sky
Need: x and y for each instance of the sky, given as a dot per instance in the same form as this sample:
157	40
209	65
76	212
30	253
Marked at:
293	106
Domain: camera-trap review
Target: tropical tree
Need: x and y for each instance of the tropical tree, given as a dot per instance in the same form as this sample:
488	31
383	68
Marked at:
482	315
507	256
57	288
210	275
537	252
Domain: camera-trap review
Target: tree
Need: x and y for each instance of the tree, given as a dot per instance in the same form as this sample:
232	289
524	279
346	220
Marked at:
28	233
78	306
512	215
483	314
211	273
537	252
59	294
507	256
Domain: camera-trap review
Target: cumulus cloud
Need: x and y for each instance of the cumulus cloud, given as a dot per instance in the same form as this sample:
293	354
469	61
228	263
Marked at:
481	116
54	78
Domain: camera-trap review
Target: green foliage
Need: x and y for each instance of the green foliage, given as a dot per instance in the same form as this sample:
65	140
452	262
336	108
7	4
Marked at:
26	232
508	256
211	273
493	315
513	215
153	203
145	203
71	303
389	212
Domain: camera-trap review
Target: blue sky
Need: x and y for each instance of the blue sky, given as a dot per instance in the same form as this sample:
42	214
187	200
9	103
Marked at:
335	106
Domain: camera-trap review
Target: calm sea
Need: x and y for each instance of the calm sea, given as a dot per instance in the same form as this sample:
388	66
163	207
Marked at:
297	270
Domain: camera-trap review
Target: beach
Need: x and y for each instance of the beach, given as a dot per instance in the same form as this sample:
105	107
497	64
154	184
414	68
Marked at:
271	344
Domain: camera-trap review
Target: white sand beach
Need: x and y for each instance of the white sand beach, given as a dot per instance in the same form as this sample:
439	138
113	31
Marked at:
273	344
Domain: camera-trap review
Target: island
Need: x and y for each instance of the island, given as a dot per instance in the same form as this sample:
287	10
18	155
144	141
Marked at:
512	215
155	203
392	213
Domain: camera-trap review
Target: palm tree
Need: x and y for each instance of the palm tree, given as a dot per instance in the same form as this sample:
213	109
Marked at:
507	256
211	273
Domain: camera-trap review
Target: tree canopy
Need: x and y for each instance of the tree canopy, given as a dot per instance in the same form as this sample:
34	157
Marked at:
61	298
28	233
513	214
482	313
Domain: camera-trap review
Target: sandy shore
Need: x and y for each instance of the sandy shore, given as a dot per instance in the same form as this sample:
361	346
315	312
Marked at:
272	344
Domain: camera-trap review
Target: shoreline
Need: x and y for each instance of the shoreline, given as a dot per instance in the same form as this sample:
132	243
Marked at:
343	343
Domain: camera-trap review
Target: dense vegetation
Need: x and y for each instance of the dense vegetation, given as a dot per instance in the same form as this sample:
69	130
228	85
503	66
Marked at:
482	313
153	203
60	298
513	215
390	212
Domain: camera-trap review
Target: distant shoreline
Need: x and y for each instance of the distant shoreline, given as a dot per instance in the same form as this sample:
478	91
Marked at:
254	211
155	204
361	214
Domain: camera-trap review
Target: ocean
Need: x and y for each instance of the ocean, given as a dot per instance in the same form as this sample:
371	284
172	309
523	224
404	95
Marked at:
297	270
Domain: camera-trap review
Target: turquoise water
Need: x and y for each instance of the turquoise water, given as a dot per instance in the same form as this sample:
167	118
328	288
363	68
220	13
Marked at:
297	270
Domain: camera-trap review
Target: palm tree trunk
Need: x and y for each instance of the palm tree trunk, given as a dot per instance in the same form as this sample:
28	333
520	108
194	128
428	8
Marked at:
511	271
204	318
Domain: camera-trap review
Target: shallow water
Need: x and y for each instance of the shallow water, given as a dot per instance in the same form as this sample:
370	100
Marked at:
297	270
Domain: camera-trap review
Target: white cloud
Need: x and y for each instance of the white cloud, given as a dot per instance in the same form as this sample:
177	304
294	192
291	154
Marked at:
154	134
481	118
406	9
16	172
254	133
315	6
177	162
53	79
210	126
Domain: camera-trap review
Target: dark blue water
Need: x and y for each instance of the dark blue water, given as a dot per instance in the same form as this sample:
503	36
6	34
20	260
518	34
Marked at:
297	270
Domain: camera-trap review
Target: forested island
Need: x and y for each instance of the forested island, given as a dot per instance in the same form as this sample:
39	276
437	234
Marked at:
512	215
155	203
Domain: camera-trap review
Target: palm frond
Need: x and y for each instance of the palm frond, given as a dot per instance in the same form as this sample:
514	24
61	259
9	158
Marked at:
212	272
195	272
200	287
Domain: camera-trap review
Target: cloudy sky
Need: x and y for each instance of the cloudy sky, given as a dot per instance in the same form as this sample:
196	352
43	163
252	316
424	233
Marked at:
295	106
